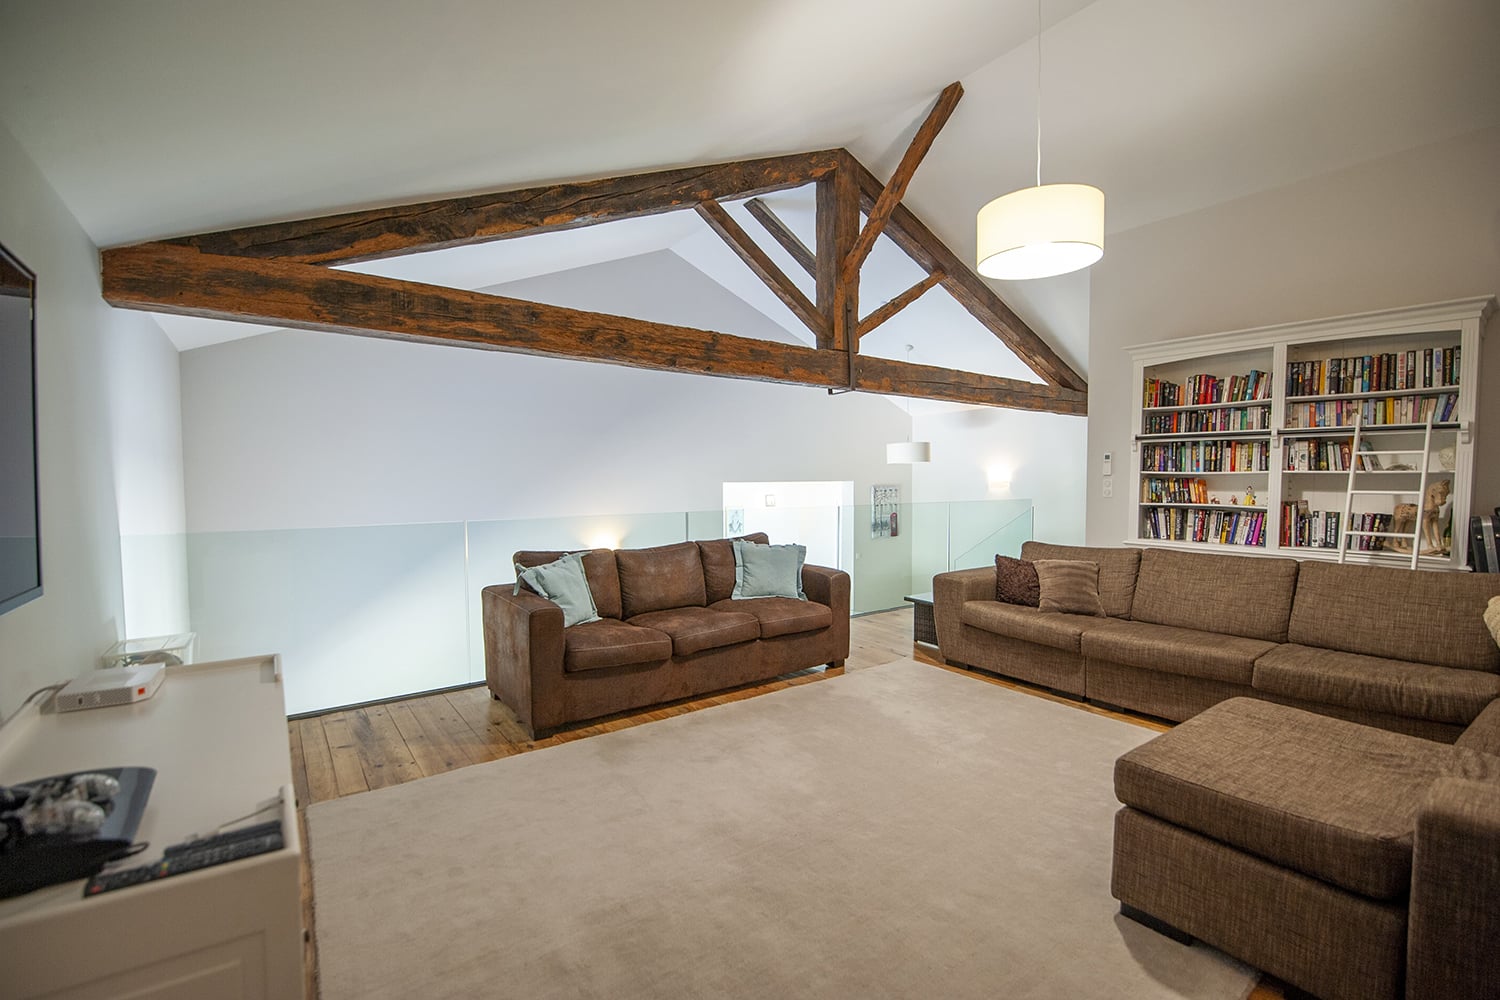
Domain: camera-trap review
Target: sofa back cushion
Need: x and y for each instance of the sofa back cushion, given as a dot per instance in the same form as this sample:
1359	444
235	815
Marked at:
1117	570
1426	617
660	578
1231	595
718	564
598	567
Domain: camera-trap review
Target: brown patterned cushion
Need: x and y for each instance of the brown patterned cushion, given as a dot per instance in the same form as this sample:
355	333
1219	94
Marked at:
1118	568
1069	585
1016	582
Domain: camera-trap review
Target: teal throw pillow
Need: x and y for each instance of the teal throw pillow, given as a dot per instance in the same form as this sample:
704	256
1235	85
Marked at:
768	570
563	583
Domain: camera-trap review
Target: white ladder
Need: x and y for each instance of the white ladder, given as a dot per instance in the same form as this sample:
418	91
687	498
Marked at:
1356	460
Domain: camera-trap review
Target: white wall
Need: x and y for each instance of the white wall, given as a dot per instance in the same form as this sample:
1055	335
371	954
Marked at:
80	340
1420	226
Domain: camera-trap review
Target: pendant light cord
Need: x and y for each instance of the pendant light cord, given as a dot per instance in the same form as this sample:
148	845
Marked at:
1038	93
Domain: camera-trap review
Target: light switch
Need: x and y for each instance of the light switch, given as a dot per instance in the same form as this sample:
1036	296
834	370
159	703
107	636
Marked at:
1109	486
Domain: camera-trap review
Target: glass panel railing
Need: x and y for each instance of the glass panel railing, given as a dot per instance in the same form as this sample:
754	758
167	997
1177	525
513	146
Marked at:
361	614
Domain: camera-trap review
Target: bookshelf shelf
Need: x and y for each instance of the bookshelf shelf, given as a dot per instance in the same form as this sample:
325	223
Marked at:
1401	365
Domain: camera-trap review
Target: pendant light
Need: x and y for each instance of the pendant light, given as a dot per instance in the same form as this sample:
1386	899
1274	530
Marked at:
908	452
1041	231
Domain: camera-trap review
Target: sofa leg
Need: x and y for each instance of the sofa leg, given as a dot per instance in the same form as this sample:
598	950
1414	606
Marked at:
835	664
1159	926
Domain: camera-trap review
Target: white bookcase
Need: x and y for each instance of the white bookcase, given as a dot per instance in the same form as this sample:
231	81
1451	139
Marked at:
1219	467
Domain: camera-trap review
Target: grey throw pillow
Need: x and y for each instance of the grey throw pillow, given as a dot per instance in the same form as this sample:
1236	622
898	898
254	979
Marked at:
768	571
1070	586
563	583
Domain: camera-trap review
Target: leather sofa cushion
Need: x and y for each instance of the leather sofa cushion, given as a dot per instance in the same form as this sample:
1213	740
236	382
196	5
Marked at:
667	576
1184	651
1117	570
780	615
696	629
1376	684
718	565
1231	595
1325	797
1015	621
1433	618
598	567
608	643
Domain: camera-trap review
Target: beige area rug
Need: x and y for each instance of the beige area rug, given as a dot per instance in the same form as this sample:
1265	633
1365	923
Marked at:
898	832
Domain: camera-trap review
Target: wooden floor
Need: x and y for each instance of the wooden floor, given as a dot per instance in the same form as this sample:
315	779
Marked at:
353	750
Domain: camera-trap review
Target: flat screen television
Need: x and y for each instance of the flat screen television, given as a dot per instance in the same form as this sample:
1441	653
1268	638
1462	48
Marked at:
20	528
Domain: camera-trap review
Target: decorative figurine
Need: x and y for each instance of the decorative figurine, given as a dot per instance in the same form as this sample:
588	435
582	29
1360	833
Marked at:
1249	496
1214	499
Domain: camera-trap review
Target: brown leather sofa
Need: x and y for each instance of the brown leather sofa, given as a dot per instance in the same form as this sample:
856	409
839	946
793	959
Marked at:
1351	862
668	629
1403	651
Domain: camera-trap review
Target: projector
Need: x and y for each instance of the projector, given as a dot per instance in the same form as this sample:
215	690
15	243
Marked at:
111	686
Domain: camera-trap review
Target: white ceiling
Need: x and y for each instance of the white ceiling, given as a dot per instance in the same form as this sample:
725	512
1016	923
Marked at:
162	117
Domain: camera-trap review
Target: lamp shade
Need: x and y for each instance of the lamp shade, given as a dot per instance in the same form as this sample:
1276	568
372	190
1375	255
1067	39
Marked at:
908	452
1037	232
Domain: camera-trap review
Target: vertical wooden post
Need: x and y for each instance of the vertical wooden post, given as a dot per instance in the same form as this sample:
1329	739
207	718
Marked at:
838	228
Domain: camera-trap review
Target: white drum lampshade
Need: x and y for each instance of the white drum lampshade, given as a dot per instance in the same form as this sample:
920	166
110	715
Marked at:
908	452
1041	231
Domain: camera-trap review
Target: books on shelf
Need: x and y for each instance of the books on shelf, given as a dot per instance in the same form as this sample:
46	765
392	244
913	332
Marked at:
1222	526
1431	367
1302	528
1374	412
1171	489
1206	456
1203	390
1230	418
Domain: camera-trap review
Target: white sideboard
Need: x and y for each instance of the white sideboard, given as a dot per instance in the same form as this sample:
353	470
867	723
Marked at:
216	735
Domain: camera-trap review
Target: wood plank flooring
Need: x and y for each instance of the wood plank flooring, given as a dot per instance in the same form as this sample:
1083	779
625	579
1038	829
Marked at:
353	750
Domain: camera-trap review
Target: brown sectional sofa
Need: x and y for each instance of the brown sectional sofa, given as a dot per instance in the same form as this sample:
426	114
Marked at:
1390	648
1351	862
668	629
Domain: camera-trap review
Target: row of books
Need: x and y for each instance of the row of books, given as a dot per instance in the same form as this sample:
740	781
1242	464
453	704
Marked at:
1231	418
1172	489
1198	390
1369	522
1330	455
1397	370
1375	412
1302	528
1206	456
1225	527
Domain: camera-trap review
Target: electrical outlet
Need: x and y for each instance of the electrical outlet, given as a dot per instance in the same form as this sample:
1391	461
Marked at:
1109	486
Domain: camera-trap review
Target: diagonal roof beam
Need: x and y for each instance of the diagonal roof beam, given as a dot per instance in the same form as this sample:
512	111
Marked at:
891	195
721	222
782	234
899	303
481	218
163	277
967	288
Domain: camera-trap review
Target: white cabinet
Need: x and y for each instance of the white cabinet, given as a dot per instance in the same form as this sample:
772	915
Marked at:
216	735
1242	440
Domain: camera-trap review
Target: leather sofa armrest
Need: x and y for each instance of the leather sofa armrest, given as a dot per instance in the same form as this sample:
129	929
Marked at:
949	592
1484	732
523	655
830	587
1454	920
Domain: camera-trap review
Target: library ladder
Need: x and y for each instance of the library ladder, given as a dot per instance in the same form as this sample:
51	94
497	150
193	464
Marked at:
1360	461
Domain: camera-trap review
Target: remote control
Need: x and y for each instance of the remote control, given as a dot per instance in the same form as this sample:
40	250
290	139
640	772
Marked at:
183	858
105	881
220	839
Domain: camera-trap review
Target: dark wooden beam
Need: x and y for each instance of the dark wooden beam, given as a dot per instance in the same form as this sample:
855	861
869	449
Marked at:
434	225
899	378
721	222
900	302
895	189
173	279
838	228
169	278
970	290
789	240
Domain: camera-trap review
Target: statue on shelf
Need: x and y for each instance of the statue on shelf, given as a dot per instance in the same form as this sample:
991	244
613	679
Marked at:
1249	496
1436	510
